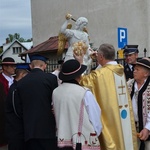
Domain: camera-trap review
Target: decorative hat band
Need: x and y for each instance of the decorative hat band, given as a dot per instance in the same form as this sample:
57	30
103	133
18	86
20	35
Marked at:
143	64
72	71
11	63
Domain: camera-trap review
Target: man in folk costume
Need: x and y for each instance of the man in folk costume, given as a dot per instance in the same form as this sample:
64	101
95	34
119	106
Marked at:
139	89
76	110
6	79
108	84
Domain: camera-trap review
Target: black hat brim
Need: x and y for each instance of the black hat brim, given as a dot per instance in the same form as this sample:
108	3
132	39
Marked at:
144	63
72	76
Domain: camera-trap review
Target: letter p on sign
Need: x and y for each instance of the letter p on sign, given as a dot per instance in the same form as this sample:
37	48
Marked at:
122	37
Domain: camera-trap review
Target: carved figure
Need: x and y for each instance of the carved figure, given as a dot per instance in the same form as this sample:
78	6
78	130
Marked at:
78	34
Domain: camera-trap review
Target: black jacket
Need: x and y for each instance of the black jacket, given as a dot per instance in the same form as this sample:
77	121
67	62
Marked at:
14	124
34	97
2	115
128	72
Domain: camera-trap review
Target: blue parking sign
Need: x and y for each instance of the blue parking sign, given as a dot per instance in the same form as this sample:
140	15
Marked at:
122	37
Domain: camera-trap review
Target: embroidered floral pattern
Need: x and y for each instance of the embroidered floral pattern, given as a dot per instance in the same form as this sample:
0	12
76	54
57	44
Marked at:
146	100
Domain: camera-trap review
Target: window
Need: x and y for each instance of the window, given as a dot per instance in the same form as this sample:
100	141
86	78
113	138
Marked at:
17	50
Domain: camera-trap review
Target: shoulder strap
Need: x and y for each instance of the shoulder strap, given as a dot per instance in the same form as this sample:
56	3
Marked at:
13	103
81	118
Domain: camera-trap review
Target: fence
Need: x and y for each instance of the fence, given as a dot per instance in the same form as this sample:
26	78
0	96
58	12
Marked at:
53	63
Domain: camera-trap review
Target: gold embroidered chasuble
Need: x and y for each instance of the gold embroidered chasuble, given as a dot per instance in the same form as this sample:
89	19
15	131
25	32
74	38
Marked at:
109	87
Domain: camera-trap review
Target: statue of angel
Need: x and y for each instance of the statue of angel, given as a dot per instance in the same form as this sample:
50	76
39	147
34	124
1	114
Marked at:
78	34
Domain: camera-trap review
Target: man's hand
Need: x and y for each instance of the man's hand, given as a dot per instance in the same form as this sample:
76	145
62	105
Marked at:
93	54
143	135
79	58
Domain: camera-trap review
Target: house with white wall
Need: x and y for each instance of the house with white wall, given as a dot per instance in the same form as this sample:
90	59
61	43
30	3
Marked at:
14	48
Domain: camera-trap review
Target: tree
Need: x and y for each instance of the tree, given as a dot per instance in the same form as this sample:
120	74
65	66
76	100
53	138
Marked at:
12	37
22	39
17	36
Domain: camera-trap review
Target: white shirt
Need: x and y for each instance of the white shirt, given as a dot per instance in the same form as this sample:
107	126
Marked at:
94	111
131	67
9	79
134	102
111	63
56	73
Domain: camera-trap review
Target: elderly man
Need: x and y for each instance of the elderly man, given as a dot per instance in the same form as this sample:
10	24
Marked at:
8	69
131	55
109	87
139	88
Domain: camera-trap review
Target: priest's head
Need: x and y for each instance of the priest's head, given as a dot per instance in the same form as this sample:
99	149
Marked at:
105	53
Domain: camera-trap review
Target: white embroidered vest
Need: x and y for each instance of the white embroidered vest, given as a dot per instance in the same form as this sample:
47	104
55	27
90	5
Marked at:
67	109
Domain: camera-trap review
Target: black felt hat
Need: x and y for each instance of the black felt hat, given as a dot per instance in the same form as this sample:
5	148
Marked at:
71	69
130	49
145	62
8	61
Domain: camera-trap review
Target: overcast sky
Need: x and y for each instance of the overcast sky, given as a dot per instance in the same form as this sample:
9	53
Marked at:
15	17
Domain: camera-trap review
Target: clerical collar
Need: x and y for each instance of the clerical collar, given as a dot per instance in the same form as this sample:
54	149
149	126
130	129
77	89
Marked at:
112	63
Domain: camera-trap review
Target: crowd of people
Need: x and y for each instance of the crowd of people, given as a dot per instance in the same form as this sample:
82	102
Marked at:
107	108
101	110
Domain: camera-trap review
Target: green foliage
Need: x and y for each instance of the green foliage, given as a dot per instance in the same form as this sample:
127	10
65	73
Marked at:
12	37
22	39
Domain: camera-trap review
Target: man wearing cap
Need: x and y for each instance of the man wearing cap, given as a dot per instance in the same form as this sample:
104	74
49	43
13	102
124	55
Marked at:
139	89
34	97
108	84
14	124
131	55
8	66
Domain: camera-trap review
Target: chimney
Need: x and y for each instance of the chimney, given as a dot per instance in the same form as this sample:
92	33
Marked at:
7	40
